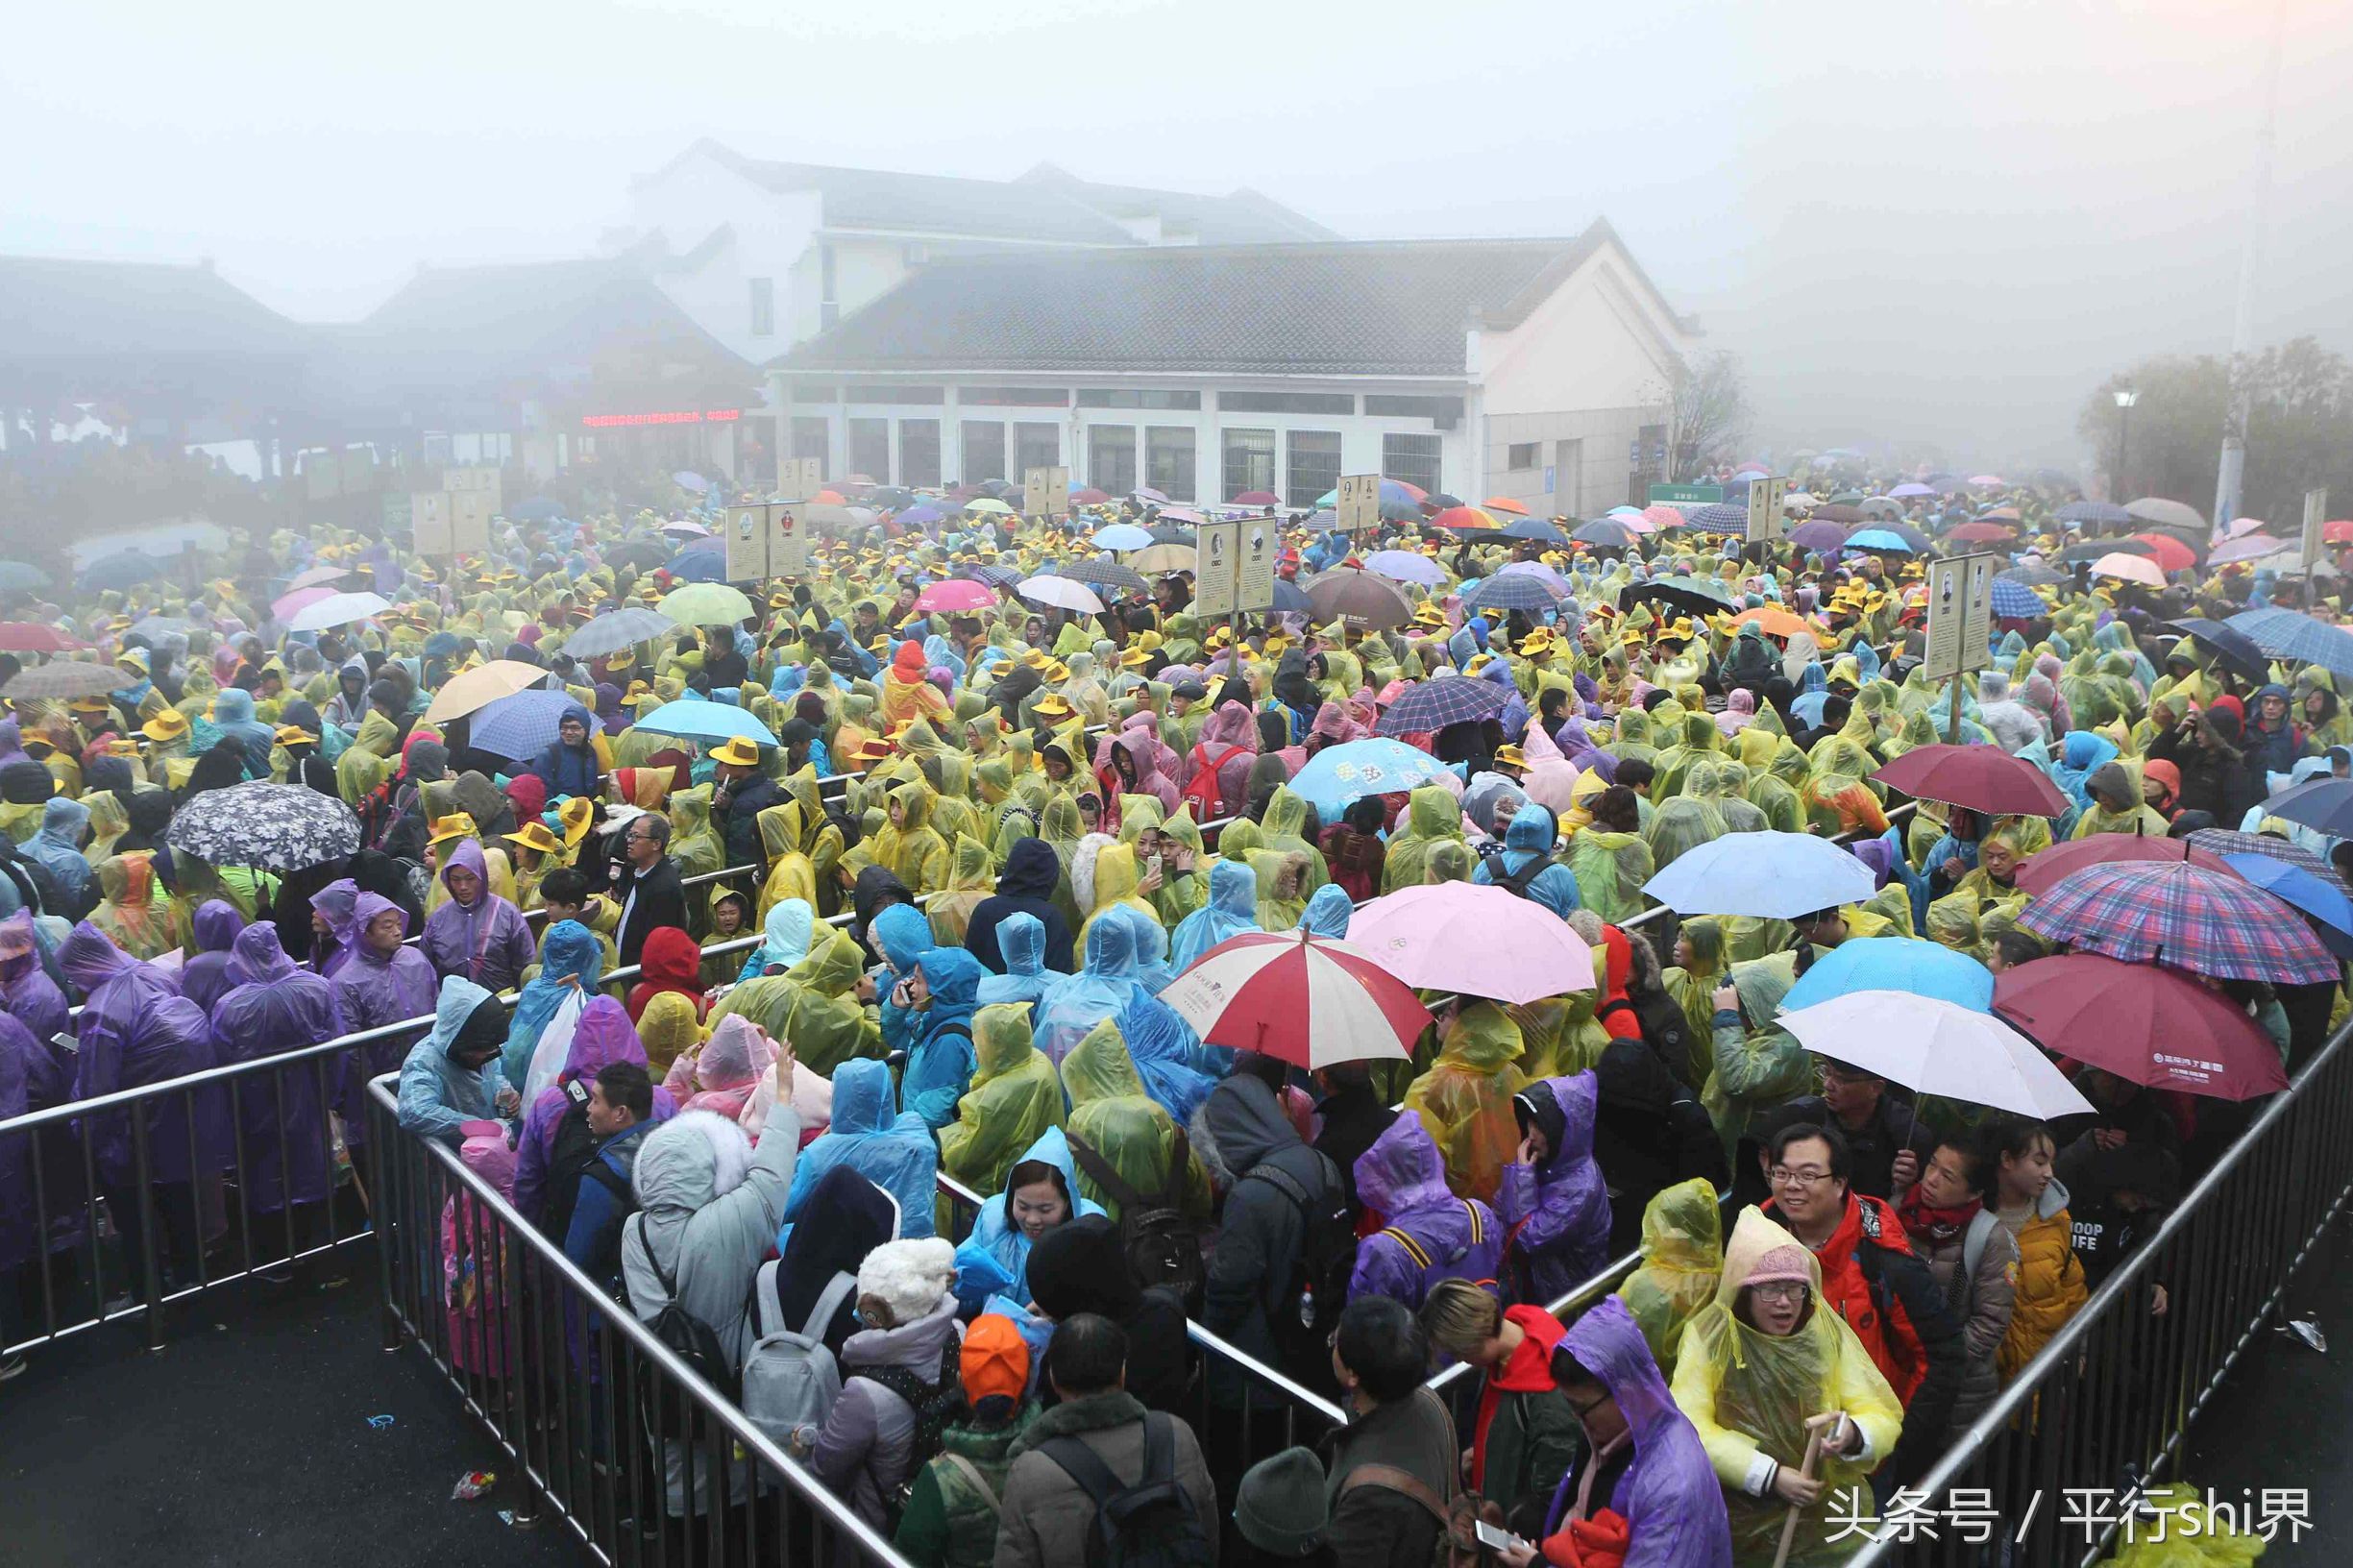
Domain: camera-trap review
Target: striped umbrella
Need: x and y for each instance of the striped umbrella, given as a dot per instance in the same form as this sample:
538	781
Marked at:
1298	998
2223	841
1717	518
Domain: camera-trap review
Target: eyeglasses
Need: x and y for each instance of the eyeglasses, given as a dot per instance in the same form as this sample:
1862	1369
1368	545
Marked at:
1779	1290
1783	1176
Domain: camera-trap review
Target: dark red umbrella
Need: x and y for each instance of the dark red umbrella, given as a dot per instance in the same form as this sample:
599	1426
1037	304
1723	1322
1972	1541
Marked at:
2047	866
32	637
2150	1025
1981	532
1983	778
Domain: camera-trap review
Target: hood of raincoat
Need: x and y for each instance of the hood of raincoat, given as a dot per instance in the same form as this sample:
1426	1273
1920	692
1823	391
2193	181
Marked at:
62	820
604	1036
785	940
216	925
1607	1343
1099	1067
453	1008
732	1060
862	1097
1683	1227
1402	1172
467	856
1021	941
1480	1037
90	960
1578	1096
257	957
953	977
1327	913
903	934
1246	1122
673	959
1031	871
1762	983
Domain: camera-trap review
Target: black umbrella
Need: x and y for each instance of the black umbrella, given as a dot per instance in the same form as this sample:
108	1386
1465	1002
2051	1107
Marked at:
1439	501
279	827
893	496
645	555
1125	579
2230	646
1682	595
1169	533
1290	599
1360	597
1535	529
2035	574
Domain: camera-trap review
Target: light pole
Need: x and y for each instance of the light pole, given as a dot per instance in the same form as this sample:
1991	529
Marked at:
2123	409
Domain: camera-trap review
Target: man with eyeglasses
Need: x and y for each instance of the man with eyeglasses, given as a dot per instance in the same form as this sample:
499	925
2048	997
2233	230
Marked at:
646	883
1872	1278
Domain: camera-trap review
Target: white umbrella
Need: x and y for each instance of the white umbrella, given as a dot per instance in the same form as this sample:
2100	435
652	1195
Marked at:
1063	593
2129	567
339	610
1934	1046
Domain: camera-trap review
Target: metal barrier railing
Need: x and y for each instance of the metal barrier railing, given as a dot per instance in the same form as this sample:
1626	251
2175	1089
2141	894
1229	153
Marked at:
645	1461
2055	1467
164	1204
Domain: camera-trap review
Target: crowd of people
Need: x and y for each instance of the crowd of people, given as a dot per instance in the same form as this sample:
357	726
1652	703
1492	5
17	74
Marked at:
945	977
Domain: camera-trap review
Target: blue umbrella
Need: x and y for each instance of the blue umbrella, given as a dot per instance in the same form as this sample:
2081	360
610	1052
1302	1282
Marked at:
2285	634
686	478
2297	887
1878	539
1290	599
117	572
920	513
2324	803
1774	876
1510	591
1338	774
1924	968
1122	536
699	719
700	564
2092	511
1716	517
522	725
1539	529
1452	699
2017	601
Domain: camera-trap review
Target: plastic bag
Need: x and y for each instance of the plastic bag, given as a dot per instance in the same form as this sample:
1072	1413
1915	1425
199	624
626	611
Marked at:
553	1049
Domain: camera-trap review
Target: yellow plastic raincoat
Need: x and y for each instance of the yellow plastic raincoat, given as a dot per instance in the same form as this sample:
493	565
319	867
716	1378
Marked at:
1432	816
1682	1258
1112	1115
1014	1098
813	1005
1464	1100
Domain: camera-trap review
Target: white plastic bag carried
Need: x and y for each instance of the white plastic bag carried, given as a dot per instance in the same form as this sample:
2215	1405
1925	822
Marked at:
554	1048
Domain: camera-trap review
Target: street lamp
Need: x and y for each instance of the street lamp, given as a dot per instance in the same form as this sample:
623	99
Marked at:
2123	407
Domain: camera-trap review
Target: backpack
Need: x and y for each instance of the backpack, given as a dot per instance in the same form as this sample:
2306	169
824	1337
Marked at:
1320	1271
1433	1267
1149	1525
577	1154
1164	1248
790	1379
1207	796
935	1405
1516	883
691	1339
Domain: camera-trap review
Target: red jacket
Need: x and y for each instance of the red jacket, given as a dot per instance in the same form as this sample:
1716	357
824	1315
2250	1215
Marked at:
1872	1278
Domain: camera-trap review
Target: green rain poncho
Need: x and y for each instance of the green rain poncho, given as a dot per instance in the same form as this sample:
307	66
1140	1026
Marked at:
1681	825
1698	738
1284	824
1014	1098
1759	1065
1683	1257
972	876
1610	868
812	1005
1693	986
1465	1098
1112	1115
1747	1392
1432	816
696	847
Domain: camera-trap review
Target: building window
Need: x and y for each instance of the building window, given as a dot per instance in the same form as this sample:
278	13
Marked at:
919	451
1169	460
983	451
811	437
1035	446
1249	462
1314	466
1110	458
1014	397
1287	403
926	397
1101	397
1444	412
1412	458
763	308
828	308
1651	443
869	449
1523	455
812	391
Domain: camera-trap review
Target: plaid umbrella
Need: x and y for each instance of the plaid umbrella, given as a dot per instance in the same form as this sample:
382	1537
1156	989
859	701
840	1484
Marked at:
2016	601
65	679
2223	841
2208	923
1716	517
1450	700
1123	579
2285	634
1515	591
995	577
522	725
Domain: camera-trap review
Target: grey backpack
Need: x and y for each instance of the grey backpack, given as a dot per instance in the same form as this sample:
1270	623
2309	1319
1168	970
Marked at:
790	1379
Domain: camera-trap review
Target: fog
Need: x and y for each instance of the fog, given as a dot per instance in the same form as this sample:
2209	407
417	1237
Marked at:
1917	223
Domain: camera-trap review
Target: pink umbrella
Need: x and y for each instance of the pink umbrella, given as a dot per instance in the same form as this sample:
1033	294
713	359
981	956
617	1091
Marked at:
953	595
2252	546
300	598
1477	940
2131	567
2238	528
1299	998
1551	579
1987	478
1660	516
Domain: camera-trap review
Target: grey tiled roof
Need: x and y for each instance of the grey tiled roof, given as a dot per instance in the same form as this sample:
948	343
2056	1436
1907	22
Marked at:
65	310
1368	309
933	202
1244	217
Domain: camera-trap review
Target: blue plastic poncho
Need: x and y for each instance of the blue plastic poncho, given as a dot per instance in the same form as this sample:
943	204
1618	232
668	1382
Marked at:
994	1258
1103	987
940	1060
570	964
895	1151
1232	908
1327	913
791	926
1021	941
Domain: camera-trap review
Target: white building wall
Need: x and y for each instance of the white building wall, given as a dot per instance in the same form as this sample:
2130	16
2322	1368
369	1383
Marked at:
771	236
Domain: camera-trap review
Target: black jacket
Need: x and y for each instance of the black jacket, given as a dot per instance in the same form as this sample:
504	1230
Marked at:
745	800
1354	1119
659	900
2215	780
1252	1273
1025	886
1081	1267
1650	1132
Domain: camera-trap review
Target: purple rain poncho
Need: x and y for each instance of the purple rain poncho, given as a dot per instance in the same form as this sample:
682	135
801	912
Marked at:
603	1036
26	989
373	991
275	1007
1560	1207
203	979
1402	1179
487	944
138	1029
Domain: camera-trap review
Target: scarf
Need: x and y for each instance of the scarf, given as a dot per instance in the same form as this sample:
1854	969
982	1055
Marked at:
1935	1227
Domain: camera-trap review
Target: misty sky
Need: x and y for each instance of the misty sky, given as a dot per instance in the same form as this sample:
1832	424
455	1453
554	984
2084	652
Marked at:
1939	221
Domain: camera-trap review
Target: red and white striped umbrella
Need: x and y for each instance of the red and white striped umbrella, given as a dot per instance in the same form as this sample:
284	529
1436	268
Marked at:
1299	998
